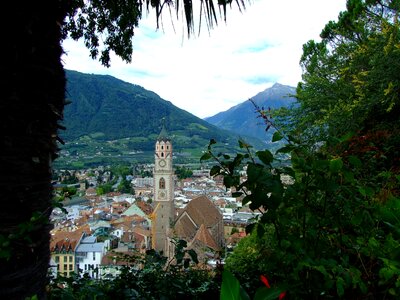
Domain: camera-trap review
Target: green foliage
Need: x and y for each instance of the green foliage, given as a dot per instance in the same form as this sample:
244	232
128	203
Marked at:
125	186
24	233
113	22
183	257
104	189
234	230
183	172
121	170
69	178
318	235
230	288
247	261
350	78
328	227
69	191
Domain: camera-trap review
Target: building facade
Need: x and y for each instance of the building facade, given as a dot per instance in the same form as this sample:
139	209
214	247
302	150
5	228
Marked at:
62	249
63	255
88	256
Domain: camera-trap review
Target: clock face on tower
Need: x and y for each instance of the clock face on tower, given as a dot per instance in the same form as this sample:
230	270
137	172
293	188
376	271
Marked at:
161	195
162	163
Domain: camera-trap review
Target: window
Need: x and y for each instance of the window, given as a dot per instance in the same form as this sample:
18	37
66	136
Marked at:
167	147
162	154
65	267
70	267
85	267
94	255
57	259
70	259
162	183
65	259
162	147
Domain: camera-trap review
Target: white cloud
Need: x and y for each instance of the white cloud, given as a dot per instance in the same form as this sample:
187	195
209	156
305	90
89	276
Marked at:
210	73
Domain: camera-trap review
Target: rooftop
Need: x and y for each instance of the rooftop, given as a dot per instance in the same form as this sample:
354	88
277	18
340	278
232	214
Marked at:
95	247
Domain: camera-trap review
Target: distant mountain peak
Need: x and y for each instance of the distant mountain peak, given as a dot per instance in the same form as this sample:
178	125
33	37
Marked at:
242	118
279	86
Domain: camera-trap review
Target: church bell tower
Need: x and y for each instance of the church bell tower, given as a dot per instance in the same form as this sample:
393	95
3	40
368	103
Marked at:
164	211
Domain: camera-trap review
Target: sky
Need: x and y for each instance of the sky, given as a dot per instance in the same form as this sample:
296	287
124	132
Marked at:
220	68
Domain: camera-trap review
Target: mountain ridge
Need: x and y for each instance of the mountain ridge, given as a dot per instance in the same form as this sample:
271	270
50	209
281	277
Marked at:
107	117
98	100
243	119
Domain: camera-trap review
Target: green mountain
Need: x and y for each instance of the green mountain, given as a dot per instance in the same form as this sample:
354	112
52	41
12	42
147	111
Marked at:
108	118
243	118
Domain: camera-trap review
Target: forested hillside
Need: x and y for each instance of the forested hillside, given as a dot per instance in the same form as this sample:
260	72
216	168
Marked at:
112	121
109	108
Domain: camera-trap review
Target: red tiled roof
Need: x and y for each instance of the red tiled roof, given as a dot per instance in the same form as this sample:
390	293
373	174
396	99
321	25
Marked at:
113	194
142	231
145	207
203	211
204	236
184	227
138	237
127	237
117	259
199	212
65	240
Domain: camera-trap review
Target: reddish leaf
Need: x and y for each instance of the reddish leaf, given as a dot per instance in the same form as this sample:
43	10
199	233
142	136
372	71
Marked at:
265	281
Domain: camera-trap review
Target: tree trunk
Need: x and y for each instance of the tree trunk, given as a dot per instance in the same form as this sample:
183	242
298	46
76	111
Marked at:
31	104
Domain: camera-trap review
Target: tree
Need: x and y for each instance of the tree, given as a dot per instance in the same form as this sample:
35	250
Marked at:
183	172
125	186
247	261
350	78
329	232
32	106
332	224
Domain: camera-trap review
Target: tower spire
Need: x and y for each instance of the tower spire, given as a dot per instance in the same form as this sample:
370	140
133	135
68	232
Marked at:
163	136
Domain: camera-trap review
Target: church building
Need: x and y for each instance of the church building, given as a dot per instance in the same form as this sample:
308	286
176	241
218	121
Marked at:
200	224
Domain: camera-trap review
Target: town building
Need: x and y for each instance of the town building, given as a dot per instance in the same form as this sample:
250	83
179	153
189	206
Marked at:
63	245
89	254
